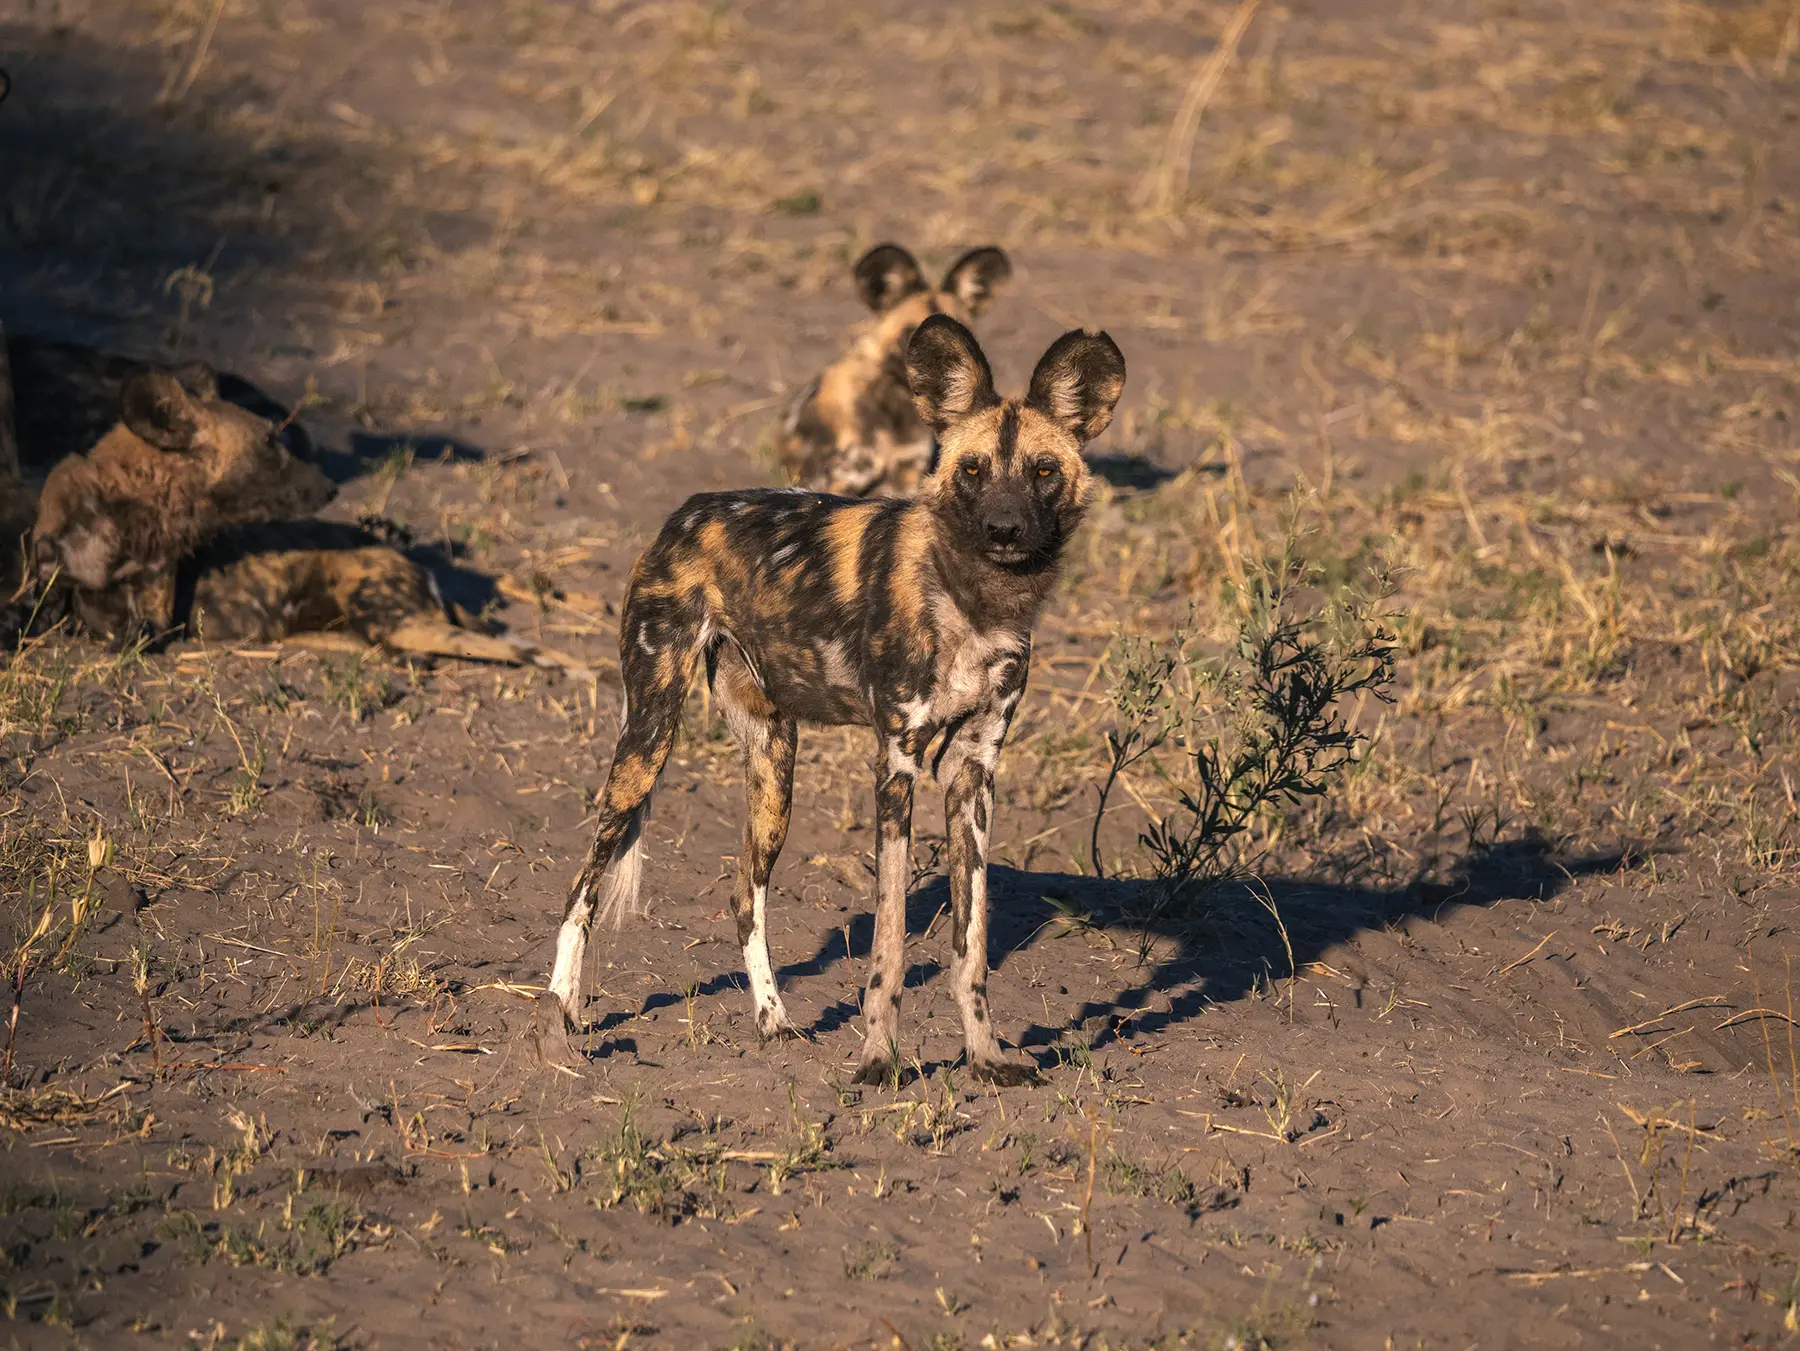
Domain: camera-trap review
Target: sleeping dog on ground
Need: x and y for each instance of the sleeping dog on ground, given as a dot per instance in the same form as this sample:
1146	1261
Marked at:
181	518
912	617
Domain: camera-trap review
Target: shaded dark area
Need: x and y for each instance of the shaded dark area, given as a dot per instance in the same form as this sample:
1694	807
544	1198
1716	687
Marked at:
1129	471
366	450
161	229
1229	943
66	397
1225	944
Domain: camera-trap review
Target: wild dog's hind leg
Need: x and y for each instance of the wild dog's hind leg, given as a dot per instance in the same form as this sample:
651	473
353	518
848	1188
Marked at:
895	774
768	739
656	681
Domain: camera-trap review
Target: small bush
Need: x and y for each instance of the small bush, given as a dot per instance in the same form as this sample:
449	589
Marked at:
1258	727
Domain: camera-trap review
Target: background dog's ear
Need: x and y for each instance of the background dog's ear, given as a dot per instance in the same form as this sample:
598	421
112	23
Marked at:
947	372
886	275
199	379
5	85
974	277
1078	382
159	409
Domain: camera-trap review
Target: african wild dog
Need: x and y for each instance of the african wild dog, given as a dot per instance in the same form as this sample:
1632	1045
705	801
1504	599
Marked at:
181	466
913	617
174	520
854	429
325	584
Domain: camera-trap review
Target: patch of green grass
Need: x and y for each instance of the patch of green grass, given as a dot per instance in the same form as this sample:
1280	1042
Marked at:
1171	1186
870	1261
357	688
661	1179
283	1334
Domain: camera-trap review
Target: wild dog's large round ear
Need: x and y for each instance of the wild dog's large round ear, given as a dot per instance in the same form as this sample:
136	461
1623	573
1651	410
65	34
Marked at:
947	373
886	275
158	409
1078	382
974	277
199	379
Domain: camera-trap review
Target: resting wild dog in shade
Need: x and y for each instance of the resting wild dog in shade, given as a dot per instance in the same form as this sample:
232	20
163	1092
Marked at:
181	466
912	617
854	430
172	521
325	584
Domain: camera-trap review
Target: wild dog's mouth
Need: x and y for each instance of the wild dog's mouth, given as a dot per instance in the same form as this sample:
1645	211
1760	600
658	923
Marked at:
1007	555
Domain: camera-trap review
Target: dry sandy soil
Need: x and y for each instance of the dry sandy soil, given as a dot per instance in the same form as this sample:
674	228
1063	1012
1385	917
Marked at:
1499	1051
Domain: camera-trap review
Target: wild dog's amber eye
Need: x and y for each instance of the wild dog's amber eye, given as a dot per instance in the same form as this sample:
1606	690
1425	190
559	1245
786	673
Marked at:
1044	471
971	469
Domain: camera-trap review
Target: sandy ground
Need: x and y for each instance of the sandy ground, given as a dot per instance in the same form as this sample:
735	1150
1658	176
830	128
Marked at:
1509	287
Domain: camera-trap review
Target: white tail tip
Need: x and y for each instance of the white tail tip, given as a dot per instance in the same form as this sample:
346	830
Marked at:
625	875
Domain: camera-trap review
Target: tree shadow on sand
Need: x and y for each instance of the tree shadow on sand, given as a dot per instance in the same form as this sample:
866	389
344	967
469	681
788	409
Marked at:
136	227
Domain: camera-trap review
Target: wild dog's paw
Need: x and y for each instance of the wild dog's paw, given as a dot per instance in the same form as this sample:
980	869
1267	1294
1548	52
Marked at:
775	1025
874	1072
552	1037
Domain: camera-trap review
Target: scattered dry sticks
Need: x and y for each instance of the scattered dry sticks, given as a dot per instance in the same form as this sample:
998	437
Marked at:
1164	188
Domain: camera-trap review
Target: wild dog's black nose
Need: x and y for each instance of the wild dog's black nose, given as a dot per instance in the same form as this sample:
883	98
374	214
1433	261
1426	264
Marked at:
1004	530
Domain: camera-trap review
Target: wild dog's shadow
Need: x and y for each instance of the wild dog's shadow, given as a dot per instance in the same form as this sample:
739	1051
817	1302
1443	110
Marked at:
1221	949
1138	472
1214	952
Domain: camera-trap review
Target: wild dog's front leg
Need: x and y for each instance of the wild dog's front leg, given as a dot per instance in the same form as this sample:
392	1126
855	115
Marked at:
151	598
968	817
894	777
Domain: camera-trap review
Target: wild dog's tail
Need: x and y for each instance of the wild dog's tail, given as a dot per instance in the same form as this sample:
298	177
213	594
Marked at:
660	651
621	888
434	637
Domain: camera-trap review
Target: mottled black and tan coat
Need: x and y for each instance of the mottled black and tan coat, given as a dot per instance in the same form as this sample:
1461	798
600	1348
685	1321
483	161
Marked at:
182	465
854	430
912	617
324	584
177	520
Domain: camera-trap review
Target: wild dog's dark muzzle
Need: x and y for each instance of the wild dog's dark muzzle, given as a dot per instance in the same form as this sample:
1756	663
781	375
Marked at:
1006	528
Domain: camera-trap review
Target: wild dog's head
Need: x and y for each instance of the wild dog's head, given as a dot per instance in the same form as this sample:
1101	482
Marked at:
853	430
891	283
242	467
208	464
1011	484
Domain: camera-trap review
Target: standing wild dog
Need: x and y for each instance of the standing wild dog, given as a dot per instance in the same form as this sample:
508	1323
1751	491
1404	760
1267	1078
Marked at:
854	430
912	617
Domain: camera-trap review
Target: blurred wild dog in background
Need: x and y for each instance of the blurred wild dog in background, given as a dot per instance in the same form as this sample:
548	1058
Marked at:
181	466
854	429
189	515
324	584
